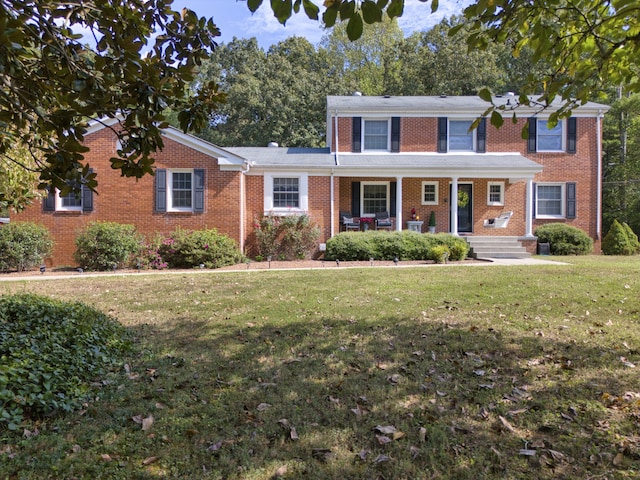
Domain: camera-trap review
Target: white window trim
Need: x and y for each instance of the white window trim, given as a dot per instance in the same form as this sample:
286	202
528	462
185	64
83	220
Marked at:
563	136
499	203
61	208
372	215
474	140
170	207
563	200
362	135
423	201
303	194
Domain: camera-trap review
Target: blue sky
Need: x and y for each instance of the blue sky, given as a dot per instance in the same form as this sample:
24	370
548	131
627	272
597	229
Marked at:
234	19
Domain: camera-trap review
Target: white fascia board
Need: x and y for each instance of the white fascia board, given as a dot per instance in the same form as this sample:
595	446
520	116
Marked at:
203	146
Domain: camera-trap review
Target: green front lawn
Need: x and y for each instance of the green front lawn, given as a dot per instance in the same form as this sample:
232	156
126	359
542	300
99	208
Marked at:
477	372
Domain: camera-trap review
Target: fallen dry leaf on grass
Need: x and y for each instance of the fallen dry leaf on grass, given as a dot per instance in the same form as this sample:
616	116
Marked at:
150	460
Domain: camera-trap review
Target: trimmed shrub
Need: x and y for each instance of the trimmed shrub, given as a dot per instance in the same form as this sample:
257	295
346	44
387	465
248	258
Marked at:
286	237
564	239
51	351
619	240
189	249
107	245
406	245
439	253
23	245
633	238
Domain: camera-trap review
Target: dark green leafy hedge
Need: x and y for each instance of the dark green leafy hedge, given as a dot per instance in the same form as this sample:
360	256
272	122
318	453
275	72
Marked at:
50	351
107	245
564	239
406	245
23	245
189	249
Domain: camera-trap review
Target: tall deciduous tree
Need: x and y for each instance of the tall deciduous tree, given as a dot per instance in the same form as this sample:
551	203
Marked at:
278	95
369	64
141	61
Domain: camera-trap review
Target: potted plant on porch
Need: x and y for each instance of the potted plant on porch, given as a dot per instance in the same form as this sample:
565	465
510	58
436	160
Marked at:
432	222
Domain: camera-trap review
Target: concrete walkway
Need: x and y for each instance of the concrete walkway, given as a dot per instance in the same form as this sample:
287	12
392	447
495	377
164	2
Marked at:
310	265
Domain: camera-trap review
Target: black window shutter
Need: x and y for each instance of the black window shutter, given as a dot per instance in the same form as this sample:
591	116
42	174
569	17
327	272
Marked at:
161	190
356	131
355	199
533	207
198	190
393	190
87	197
532	133
395	134
481	136
571	200
572	130
49	202
442	135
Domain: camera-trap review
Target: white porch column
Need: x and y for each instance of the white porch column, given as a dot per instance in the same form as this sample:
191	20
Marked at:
399	203
333	205
529	209
453	205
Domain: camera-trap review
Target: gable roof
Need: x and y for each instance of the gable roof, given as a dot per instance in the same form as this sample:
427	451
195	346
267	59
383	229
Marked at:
441	105
226	159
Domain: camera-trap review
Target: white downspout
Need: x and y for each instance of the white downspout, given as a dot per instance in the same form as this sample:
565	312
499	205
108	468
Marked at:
599	182
333	205
332	188
243	205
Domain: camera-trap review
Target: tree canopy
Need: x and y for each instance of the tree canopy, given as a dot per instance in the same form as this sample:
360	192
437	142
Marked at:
587	43
141	60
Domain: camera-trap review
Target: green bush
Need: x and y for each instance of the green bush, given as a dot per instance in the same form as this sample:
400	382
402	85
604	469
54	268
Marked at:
188	249
286	237
23	246
105	245
406	245
633	238
620	240
439	253
50	352
564	239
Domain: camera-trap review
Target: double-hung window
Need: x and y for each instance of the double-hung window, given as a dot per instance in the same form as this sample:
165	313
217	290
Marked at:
69	203
376	135
429	193
550	201
495	193
179	190
375	198
549	139
286	192
461	139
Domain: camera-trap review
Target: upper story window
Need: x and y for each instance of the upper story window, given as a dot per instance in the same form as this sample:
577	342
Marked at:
376	135
461	139
382	135
544	138
454	136
550	139
286	193
179	190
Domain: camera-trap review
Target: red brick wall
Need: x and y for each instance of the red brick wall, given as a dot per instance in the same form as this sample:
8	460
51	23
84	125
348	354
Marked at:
131	201
419	134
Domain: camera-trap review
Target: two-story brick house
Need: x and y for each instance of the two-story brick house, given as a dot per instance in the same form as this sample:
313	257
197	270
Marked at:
395	154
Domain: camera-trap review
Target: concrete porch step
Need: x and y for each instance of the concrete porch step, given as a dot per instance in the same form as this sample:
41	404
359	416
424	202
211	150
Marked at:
496	247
